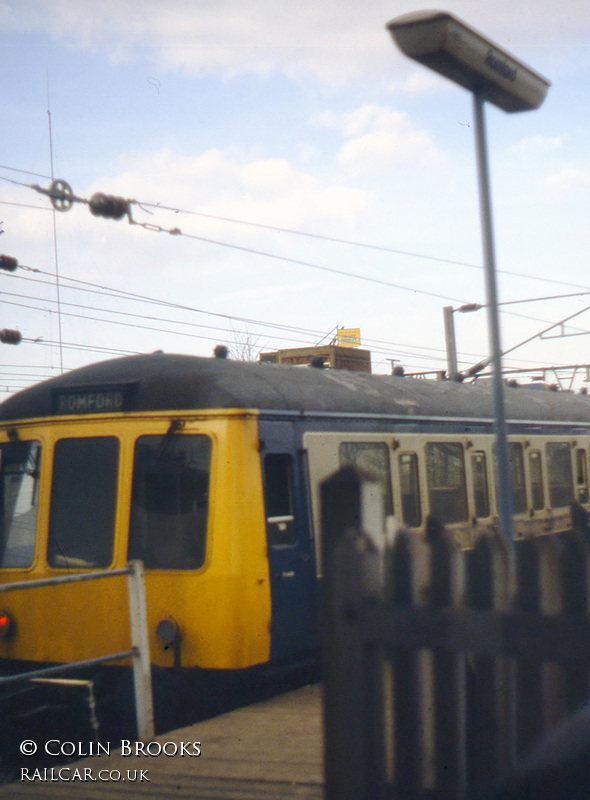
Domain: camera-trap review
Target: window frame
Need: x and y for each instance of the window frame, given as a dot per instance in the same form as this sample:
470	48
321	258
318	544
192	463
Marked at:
412	458
33	530
536	451
134	549
555	487
580	463
55	554
380	445
281	529
450	489
483	456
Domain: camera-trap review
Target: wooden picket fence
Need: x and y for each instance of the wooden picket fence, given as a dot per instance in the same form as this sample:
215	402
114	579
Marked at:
440	666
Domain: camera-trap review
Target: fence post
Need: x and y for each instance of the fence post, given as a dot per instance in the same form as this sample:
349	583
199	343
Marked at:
407	578
447	577
142	677
575	589
540	690
353	694
490	738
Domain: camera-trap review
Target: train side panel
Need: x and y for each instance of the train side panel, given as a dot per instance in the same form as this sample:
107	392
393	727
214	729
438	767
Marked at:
450	476
221	605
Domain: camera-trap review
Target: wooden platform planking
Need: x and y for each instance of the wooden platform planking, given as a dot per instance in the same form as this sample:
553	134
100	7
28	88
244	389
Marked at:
272	750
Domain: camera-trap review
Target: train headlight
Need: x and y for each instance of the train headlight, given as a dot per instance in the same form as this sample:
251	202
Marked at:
6	624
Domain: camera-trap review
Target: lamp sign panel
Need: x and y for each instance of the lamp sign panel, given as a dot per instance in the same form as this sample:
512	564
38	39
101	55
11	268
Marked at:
447	45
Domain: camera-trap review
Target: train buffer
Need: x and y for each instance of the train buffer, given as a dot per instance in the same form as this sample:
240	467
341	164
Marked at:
272	749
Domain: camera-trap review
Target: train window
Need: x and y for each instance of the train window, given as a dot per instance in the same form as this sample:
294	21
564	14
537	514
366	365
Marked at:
517	482
373	458
278	498
581	476
536	473
169	501
559	472
447	491
83	502
410	489
19	477
481	495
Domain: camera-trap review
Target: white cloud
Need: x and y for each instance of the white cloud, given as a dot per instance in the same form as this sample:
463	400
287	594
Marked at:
332	42
538	144
569	176
271	191
215	187
379	138
418	81
192	269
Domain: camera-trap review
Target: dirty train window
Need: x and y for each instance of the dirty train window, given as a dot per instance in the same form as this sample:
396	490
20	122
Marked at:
447	490
559	471
410	489
169	503
371	457
536	473
83	502
278	499
19	478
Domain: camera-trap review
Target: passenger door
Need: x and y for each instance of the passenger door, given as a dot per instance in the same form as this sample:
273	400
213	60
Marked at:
290	553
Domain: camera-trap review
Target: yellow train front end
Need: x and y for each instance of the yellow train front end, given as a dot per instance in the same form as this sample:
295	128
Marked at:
180	491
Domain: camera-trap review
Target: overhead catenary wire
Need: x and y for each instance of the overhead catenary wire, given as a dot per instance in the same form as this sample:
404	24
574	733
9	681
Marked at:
176	231
378	346
87	286
66	198
353	243
102	289
90	287
308	234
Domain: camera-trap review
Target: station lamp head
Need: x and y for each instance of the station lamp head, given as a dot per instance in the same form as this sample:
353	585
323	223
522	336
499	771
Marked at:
447	45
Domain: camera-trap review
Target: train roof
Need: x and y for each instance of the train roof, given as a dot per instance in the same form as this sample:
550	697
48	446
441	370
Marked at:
160	381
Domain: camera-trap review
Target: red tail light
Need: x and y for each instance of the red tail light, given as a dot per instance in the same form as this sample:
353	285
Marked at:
6	624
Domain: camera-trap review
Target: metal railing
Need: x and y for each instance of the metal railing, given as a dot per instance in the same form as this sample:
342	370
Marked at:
139	650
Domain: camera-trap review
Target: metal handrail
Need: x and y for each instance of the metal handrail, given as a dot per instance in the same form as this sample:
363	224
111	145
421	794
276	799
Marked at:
139	650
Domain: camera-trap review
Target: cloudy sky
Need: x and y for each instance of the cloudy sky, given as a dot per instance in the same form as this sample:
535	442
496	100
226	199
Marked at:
313	177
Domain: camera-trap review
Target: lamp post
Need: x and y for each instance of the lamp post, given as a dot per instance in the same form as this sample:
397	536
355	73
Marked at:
453	373
445	44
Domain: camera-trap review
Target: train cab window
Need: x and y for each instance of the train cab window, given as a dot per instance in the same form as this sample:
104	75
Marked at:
559	473
536	476
373	458
410	490
19	478
83	502
581	476
278	498
517	482
481	494
445	468
169	501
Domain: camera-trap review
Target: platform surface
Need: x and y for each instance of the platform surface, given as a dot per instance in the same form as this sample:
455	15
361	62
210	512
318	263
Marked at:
270	750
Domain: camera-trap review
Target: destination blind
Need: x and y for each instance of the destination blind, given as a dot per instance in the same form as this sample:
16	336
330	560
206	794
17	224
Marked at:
92	400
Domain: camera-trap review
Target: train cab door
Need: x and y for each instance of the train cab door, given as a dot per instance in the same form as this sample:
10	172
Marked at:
290	553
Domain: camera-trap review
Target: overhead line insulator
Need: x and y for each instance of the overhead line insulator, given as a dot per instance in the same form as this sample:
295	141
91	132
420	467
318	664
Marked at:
8	263
109	206
8	336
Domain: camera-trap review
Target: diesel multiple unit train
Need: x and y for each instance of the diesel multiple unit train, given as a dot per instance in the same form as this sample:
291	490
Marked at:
207	470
